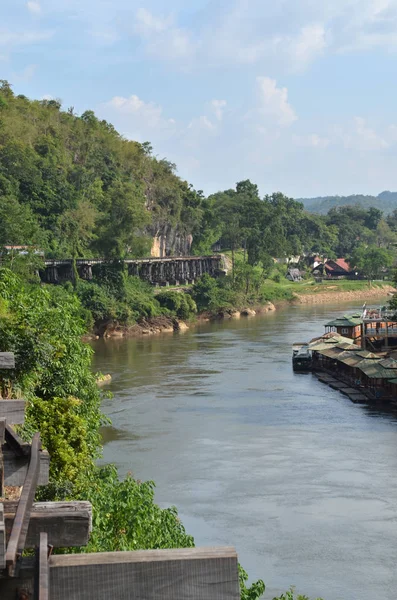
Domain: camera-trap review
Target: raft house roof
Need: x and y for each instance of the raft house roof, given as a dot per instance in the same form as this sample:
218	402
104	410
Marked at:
325	342
374	366
345	321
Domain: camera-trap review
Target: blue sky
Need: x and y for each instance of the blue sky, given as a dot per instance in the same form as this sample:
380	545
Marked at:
300	96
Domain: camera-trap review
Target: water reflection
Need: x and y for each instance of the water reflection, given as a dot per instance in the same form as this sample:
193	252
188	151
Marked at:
292	473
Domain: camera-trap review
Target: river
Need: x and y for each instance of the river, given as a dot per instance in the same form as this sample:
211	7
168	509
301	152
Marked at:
299	479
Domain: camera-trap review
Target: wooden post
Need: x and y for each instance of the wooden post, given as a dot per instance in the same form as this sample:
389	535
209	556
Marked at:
2	539
19	531
42	580
2	430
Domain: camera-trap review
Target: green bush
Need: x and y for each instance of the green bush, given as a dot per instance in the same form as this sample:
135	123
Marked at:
125	516
97	299
43	327
180	304
212	294
140	299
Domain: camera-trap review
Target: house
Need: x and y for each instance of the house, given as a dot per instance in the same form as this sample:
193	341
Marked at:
348	326
294	275
23	250
338	268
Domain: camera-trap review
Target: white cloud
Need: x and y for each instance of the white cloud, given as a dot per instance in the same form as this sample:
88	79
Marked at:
161	37
258	142
33	7
358	135
150	113
370	139
139	120
146	23
23	38
287	35
201	124
308	45
312	140
273	102
218	107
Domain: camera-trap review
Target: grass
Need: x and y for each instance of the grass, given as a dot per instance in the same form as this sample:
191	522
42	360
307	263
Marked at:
343	285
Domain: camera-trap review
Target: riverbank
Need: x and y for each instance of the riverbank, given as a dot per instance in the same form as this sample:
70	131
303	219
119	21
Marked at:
282	294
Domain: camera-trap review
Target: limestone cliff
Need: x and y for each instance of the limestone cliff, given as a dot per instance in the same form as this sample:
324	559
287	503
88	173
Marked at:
170	241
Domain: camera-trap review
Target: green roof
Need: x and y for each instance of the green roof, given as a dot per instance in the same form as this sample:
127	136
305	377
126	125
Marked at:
389	363
324	343
349	358
375	370
345	321
369	355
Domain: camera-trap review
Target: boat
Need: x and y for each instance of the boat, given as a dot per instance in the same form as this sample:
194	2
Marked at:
301	358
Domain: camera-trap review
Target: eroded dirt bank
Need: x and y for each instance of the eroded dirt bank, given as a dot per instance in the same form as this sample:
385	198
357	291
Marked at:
345	296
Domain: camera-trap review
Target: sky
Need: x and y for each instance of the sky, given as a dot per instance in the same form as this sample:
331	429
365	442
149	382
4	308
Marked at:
300	96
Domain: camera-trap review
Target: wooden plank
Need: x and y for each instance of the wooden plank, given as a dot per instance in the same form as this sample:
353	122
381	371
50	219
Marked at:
2	430
191	573
15	443
2	539
1	474
42	579
15	468
7	360
19	531
13	411
67	524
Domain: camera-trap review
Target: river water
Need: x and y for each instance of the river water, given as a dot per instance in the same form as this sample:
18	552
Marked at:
299	479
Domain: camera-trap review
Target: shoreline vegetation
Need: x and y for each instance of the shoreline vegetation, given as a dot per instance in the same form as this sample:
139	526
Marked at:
308	292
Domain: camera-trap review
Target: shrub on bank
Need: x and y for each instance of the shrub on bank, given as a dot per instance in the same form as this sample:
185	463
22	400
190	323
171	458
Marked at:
180	304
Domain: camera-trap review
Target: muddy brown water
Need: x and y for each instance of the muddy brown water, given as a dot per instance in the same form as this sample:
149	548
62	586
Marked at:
299	479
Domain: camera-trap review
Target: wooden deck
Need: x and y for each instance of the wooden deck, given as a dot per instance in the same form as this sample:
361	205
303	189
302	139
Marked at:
353	394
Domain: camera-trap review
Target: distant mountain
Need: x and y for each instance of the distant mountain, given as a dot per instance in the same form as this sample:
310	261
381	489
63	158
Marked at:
386	201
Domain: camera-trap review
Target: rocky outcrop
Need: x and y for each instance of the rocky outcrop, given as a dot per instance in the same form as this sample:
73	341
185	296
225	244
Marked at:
248	312
170	241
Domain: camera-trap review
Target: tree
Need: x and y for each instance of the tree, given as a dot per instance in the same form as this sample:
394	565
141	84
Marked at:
77	226
18	225
371	261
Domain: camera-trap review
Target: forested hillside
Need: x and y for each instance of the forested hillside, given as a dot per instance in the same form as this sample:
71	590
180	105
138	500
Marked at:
386	202
73	186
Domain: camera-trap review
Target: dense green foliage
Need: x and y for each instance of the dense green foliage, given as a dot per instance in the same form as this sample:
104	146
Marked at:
272	226
126	516
73	186
180	304
43	328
